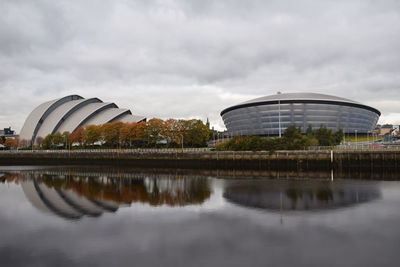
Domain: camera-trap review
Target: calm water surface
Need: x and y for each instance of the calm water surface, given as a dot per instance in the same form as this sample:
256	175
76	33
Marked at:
65	217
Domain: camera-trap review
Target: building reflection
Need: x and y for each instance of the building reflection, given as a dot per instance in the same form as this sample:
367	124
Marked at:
300	195
75	196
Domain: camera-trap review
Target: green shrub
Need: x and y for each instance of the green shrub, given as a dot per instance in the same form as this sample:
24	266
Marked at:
292	139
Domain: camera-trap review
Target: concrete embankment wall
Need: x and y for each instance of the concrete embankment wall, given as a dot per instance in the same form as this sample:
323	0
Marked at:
291	160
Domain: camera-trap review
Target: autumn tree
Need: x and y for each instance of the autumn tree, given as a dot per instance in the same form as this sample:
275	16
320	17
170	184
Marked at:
153	131
111	132
172	131
11	143
139	130
93	134
78	136
128	133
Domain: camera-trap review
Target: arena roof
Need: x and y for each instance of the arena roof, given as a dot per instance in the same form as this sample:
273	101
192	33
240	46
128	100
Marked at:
299	97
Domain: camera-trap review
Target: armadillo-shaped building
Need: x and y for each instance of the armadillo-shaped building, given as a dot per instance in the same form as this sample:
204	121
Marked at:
70	112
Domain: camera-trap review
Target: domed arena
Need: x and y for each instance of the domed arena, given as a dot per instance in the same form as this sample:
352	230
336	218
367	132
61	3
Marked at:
271	115
70	112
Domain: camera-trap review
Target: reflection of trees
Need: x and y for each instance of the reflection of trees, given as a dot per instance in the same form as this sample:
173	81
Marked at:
155	191
10	178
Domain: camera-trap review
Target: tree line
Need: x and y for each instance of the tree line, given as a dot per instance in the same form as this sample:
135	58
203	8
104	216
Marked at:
152	133
292	139
9	142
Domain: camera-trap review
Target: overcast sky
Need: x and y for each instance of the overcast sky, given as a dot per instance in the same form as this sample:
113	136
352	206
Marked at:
193	58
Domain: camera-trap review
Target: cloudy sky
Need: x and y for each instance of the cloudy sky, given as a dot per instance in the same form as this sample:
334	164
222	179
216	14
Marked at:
191	58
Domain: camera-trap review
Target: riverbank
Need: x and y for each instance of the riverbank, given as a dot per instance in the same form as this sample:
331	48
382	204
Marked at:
289	160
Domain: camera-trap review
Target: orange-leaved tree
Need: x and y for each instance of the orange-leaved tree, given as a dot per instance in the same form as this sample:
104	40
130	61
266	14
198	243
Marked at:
93	134
153	131
11	142
173	131
139	131
128	133
111	132
78	136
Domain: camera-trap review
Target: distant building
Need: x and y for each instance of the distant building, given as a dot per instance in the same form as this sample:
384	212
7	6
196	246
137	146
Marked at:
386	129
271	115
7	133
396	130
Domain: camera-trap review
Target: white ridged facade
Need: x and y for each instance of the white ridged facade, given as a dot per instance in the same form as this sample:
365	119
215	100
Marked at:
70	112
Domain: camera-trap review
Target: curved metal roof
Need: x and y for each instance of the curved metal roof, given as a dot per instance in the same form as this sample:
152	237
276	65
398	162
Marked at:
299	98
68	113
82	115
131	118
61	113
107	116
39	114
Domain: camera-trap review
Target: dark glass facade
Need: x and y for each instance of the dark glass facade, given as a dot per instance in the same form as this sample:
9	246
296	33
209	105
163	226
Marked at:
263	118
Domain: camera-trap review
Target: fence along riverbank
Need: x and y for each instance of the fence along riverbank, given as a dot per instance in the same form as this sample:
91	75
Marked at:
205	159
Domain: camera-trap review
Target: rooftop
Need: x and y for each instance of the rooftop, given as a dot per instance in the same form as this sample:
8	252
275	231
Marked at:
299	96
312	97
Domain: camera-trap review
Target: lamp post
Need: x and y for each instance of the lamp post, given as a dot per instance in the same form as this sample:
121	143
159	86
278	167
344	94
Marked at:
355	131
182	141
279	118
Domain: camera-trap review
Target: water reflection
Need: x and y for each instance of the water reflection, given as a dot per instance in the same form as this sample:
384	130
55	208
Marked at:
300	195
72	196
75	193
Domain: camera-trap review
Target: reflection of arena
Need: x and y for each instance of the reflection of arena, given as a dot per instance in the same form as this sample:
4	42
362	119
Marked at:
73	197
311	195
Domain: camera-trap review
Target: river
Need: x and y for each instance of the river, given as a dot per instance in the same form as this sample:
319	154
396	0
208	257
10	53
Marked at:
100	216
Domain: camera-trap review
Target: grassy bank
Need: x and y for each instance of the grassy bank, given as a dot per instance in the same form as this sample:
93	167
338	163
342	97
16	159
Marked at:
361	138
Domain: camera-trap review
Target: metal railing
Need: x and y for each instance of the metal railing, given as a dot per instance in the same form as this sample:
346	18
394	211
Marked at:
135	150
357	147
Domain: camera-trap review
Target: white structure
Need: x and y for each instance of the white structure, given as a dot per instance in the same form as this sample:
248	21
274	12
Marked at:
70	112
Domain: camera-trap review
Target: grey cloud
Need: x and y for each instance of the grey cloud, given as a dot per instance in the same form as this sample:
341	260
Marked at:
183	48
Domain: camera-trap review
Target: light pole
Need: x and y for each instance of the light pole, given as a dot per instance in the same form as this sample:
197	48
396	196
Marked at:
356	137
182	141
279	118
